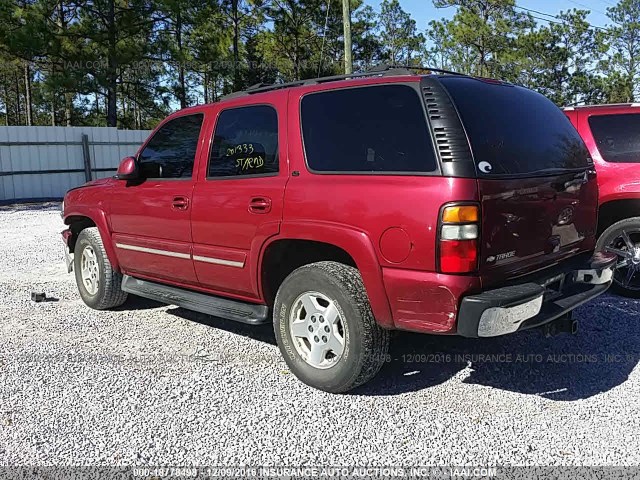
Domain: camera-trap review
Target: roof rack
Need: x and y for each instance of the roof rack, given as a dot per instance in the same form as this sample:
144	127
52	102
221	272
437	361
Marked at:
382	70
573	106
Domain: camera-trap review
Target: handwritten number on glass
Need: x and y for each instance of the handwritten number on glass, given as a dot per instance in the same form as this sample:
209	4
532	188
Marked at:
241	148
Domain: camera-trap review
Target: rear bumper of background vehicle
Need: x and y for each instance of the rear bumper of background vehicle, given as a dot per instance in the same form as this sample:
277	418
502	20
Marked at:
536	299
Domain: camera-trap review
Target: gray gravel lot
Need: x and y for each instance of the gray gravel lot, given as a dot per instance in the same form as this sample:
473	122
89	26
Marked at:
158	385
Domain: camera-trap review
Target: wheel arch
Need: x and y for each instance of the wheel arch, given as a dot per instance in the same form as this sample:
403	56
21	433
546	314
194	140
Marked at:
81	219
613	211
305	243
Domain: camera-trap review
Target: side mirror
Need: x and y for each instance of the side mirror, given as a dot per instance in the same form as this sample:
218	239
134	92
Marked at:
128	169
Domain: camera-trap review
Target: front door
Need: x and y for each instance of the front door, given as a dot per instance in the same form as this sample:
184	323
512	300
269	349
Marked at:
150	218
237	203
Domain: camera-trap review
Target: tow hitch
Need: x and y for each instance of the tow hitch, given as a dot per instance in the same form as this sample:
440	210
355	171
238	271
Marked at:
564	324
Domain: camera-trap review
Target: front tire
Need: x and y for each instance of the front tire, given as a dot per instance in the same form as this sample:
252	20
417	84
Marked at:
325	328
623	239
98	283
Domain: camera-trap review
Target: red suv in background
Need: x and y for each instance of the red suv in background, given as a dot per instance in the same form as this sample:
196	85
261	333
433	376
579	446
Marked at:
612	134
343	208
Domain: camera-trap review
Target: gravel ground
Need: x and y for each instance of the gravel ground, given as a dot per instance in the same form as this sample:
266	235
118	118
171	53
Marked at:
158	385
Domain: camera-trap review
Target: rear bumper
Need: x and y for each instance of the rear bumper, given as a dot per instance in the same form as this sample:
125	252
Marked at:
537	299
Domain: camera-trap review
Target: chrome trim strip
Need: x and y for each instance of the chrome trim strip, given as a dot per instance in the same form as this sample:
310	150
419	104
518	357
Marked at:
218	261
165	253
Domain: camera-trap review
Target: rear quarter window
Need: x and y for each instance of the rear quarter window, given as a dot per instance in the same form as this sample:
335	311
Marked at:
375	129
617	136
515	131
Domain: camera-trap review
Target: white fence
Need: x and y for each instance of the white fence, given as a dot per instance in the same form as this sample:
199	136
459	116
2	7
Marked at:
38	163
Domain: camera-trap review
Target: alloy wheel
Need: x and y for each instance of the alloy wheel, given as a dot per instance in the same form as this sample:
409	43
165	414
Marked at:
317	329
627	247
90	270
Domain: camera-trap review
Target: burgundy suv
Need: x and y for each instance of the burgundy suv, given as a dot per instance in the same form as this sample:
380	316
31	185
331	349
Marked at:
347	207
612	134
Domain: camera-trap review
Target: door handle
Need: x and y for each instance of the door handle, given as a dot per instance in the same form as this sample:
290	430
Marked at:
180	203
260	205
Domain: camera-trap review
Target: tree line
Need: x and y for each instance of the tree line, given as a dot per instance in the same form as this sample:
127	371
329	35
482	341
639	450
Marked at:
128	63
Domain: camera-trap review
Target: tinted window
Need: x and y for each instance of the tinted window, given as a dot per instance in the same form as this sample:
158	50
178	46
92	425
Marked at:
172	150
513	130
370	129
245	142
617	136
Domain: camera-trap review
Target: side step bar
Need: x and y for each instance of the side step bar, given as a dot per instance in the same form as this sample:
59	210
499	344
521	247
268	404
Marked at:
199	302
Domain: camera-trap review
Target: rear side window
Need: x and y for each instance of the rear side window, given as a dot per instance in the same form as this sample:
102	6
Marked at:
245	142
379	129
617	137
515	131
171	151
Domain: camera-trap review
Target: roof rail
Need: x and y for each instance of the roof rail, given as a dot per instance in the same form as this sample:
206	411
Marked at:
409	69
575	105
381	70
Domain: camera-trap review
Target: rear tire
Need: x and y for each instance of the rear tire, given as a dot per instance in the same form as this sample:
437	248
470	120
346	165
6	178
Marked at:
325	328
98	283
623	239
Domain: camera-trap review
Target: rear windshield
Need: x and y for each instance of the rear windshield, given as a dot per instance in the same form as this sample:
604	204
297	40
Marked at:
515	131
617	137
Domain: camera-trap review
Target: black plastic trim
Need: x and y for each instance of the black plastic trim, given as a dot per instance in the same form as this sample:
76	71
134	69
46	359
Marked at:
447	130
199	302
555	309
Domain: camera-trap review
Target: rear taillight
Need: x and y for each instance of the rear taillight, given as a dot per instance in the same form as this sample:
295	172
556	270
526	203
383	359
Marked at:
458	235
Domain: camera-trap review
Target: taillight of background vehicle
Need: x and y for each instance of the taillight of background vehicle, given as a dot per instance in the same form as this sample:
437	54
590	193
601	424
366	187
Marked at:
458	235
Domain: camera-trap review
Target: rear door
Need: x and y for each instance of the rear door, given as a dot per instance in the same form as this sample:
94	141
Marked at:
237	202
613	137
150	218
536	181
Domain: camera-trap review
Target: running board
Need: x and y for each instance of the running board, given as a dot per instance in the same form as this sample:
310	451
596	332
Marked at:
199	302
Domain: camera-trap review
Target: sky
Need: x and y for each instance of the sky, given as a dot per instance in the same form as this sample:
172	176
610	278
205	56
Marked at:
423	11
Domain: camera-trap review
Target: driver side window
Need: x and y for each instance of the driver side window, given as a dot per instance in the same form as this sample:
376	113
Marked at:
171	152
